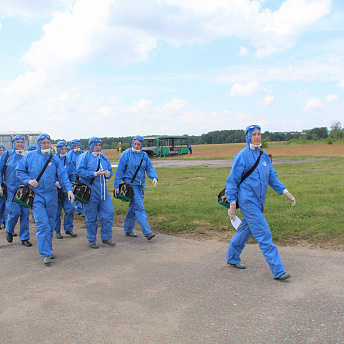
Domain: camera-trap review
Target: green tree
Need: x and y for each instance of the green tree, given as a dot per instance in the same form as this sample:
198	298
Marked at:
336	130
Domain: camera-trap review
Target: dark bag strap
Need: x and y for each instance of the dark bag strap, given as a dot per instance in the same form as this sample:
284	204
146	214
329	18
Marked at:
91	182
252	168
44	168
5	166
137	171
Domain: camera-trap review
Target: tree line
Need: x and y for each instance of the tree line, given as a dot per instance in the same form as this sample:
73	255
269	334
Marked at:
336	132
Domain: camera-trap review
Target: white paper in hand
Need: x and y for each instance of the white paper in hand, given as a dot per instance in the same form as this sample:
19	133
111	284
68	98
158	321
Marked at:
236	222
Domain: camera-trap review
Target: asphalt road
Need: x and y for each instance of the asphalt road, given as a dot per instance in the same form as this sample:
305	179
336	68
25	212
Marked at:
169	290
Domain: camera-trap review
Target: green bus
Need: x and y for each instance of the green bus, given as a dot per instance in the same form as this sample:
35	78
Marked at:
166	145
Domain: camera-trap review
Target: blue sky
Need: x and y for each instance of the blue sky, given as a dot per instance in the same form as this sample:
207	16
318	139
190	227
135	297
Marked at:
80	68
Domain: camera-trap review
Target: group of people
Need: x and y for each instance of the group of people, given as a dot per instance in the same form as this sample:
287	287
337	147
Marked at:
91	168
246	186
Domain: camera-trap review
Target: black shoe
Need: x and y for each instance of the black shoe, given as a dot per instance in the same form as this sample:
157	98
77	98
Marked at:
284	276
26	243
72	234
108	242
81	214
9	236
239	266
14	234
52	256
150	236
93	244
47	260
58	235
2	226
131	234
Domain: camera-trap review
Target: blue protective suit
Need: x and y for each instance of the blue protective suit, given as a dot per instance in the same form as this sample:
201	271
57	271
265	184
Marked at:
73	156
14	210
65	204
128	163
251	197
2	200
100	204
45	204
32	148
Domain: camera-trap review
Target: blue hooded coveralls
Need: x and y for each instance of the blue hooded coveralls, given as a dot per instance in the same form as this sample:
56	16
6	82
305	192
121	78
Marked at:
128	164
66	204
251	197
3	200
45	203
73	156
100	203
14	210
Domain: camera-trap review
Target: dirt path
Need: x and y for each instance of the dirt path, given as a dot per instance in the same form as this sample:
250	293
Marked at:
169	290
220	163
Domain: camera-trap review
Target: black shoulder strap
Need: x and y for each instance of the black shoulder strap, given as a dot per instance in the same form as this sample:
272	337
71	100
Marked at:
91	182
45	166
137	171
5	166
252	168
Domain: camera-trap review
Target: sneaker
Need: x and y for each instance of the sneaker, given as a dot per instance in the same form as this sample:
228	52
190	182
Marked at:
72	234
58	235
131	234
26	243
9	236
47	260
283	277
238	266
108	242
93	244
150	236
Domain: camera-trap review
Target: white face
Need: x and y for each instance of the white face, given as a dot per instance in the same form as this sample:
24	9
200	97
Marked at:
256	137
45	144
97	147
19	145
137	145
63	150
1	150
76	146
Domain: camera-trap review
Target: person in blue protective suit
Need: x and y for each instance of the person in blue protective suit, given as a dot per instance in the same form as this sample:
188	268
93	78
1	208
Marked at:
45	203
2	200
32	148
250	195
64	202
94	169
10	179
73	155
128	163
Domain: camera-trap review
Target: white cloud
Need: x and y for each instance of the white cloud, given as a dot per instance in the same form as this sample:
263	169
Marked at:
331	97
312	104
243	51
105	112
341	84
268	100
174	106
25	8
126	32
142	106
249	89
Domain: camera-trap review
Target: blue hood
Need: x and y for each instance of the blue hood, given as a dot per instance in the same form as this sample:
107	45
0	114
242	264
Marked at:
249	130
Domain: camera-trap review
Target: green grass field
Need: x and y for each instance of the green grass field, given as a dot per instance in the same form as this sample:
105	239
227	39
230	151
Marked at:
185	203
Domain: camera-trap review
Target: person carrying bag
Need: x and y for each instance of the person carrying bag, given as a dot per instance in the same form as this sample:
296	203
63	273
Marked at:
25	195
126	191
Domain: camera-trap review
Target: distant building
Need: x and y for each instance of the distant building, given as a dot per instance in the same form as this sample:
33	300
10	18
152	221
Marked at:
6	138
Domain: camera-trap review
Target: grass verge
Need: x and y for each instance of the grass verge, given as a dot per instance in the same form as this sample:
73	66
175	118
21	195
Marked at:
185	203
